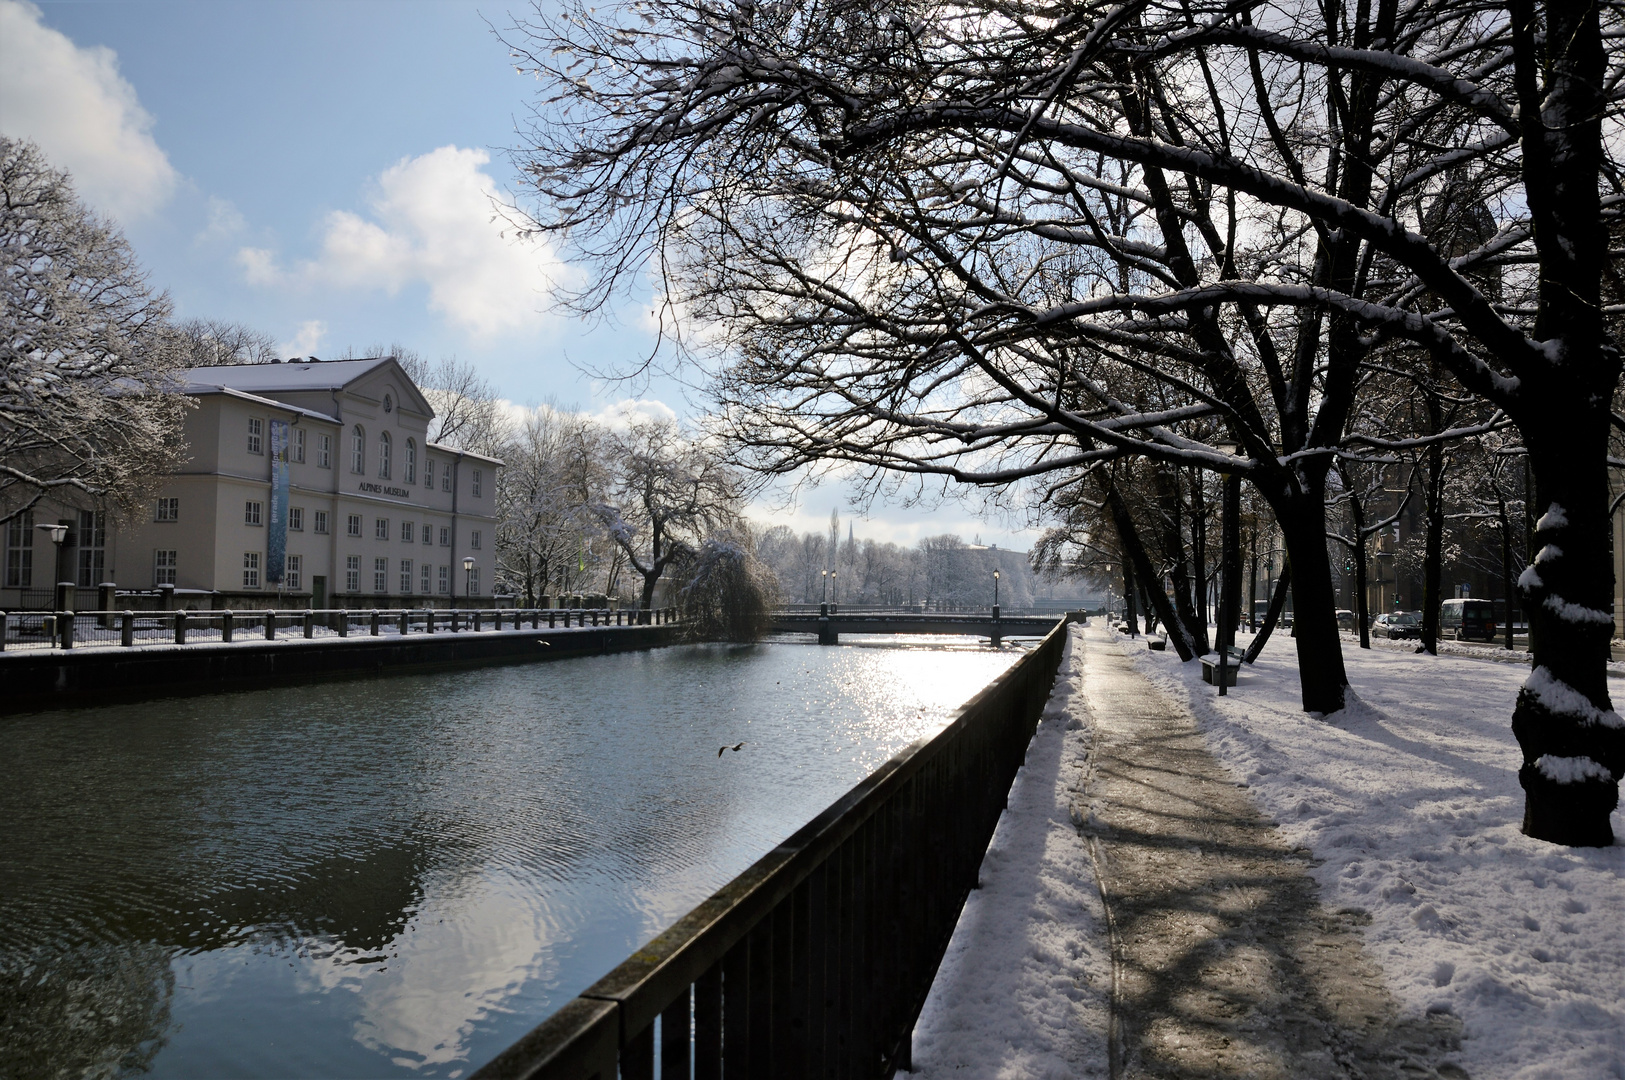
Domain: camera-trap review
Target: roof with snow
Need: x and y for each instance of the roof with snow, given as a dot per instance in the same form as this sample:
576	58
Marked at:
282	378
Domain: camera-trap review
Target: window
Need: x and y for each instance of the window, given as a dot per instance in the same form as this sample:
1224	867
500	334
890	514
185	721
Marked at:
352	573
427	538
358	450
256	435
474	540
423	579
352	527
252	512
445	536
474	582
406	577
296	519
408	533
409	467
380	529
92	547
380	575
383	455
319	522
291	574
445	581
475	483
20	552
251	569
324	451
389	404
163	567
428	473
168	510
445	478
299	445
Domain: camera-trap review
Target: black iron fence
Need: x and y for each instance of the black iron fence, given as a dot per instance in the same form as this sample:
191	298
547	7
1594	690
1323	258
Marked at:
816	961
129	629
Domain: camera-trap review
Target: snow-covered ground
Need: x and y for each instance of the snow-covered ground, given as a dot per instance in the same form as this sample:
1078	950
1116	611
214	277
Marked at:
1410	801
1410	796
1026	983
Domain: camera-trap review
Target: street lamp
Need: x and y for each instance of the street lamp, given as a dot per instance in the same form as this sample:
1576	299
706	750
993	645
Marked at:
834	592
468	576
57	534
995	594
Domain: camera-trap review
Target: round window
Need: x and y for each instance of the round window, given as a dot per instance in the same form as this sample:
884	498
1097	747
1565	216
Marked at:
389	403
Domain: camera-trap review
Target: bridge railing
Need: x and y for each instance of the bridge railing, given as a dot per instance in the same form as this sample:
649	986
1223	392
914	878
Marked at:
816	960
129	629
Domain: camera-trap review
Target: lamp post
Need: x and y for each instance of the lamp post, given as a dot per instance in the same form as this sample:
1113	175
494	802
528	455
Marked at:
58	534
995	594
834	593
468	577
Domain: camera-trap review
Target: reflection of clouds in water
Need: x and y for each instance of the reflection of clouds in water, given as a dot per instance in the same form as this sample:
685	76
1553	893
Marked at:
420	1005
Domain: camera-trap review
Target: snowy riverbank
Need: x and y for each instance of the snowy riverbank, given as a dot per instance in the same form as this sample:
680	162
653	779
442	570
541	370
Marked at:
1409	801
1411	798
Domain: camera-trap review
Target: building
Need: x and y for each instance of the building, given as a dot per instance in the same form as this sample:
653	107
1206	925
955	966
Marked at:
309	484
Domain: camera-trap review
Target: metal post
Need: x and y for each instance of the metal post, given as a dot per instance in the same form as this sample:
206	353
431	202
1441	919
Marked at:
225	625
65	595
376	622
344	622
180	626
64	626
551	613
310	623
454	627
126	634
5	621
428	619
406	622
475	623
270	626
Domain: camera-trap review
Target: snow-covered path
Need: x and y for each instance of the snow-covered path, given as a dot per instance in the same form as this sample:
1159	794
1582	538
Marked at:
1403	809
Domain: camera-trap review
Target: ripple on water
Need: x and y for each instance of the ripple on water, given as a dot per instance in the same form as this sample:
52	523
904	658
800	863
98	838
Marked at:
406	874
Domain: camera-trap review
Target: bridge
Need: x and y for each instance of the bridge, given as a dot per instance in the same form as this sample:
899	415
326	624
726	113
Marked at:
992	625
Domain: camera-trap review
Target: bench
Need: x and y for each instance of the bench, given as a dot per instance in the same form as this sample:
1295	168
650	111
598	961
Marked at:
1210	667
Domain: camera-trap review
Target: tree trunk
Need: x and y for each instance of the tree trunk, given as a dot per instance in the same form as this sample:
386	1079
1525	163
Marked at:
1433	550
1134	553
1199	555
1314	603
1573	742
1129	593
1362	609
1277	604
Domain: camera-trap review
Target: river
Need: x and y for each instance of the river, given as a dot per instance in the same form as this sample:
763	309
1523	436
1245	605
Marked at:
401	876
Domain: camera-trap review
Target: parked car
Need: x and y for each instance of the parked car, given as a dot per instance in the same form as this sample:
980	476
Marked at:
1345	619
1398	625
1467	619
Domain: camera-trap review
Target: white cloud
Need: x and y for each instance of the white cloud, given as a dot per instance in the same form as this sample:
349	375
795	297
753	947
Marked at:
432	220
83	114
304	342
225	221
625	413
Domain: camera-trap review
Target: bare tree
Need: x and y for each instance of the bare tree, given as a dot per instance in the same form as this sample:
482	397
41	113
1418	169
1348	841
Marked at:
90	408
210	342
665	493
937	244
554	471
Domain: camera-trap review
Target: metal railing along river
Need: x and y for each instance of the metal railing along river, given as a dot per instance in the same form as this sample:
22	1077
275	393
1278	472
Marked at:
816	961
129	629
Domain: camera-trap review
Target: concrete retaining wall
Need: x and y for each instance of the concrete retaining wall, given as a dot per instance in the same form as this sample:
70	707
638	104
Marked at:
48	679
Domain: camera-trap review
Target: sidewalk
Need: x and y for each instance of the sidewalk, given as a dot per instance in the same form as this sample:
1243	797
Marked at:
1211	955
1226	964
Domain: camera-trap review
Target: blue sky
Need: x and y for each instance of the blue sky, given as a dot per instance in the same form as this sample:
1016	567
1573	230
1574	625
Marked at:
324	170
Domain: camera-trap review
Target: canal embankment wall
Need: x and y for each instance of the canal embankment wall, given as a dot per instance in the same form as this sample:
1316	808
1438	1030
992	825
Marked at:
56	678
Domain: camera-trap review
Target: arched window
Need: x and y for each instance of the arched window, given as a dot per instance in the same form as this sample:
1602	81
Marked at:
383	455
358	449
409	470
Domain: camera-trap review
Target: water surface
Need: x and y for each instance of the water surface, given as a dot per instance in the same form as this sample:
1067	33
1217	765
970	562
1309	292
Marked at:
401	876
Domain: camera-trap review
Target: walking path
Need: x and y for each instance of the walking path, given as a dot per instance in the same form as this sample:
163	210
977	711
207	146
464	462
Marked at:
1225	962
1211	957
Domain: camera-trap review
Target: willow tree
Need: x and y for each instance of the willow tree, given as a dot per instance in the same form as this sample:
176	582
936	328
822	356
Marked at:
940	238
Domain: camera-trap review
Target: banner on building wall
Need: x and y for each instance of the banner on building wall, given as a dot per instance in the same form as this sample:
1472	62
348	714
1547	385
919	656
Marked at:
276	540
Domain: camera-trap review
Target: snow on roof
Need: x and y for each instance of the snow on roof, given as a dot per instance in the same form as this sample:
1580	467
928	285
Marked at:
283	378
447	449
198	389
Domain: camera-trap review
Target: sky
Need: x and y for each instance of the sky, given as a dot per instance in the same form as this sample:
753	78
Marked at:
327	171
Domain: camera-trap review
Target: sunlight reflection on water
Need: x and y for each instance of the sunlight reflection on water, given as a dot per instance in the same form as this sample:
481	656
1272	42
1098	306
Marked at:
404	875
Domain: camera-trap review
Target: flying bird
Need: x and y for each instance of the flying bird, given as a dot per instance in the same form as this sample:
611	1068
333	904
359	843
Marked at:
723	749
